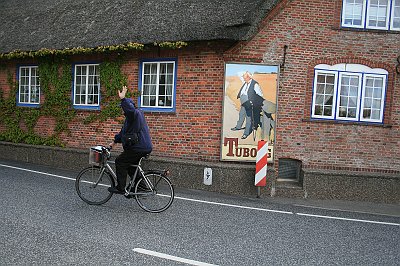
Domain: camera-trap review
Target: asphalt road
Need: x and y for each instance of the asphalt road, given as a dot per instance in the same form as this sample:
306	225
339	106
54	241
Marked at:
44	222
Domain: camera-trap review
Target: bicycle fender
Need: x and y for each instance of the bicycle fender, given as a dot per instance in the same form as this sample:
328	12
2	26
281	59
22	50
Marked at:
165	172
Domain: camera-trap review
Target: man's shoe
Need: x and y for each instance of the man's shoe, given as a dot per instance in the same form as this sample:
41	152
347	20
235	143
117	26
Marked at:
235	129
244	136
115	190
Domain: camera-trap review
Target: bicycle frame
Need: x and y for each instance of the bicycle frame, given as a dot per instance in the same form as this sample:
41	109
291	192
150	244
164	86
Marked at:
106	166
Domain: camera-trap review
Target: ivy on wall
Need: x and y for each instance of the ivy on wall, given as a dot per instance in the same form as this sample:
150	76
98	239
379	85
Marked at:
112	79
81	50
55	81
13	116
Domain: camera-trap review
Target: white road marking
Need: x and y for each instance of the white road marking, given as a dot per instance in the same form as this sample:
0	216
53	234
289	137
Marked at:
345	219
227	205
341	210
233	206
37	172
170	257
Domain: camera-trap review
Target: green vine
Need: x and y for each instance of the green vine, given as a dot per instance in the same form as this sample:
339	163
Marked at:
13	116
55	82
112	79
71	51
17	54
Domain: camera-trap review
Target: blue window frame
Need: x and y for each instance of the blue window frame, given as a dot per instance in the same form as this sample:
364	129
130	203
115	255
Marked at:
349	92
157	85
371	14
28	86
86	86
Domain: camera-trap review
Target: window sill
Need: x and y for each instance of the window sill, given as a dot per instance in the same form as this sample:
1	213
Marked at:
346	122
366	30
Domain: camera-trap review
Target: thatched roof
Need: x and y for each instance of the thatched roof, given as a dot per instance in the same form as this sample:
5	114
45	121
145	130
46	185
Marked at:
58	24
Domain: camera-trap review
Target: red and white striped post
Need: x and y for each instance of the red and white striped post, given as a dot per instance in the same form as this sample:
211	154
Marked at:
261	166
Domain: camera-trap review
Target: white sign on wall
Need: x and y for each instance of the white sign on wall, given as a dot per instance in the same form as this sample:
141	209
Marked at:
208	176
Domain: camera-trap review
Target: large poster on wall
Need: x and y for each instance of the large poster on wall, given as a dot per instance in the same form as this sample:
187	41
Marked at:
249	111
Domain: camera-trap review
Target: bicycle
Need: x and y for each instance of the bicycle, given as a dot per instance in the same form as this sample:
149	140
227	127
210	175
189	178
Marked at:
152	190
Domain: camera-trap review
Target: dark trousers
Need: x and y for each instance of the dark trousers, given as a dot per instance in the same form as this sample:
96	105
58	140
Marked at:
123	168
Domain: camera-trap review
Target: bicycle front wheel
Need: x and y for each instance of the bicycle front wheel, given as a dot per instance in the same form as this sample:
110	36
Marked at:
154	193
92	185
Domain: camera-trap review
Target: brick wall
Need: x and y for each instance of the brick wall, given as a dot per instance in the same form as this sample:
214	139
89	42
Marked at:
311	30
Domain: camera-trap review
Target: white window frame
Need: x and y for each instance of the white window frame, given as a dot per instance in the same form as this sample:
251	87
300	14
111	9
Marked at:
366	12
323	72
339	94
362	72
383	95
387	17
158	106
344	9
397	2
86	105
30	86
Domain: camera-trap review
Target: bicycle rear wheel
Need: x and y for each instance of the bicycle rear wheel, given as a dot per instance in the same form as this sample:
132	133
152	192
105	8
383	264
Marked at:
92	187
157	196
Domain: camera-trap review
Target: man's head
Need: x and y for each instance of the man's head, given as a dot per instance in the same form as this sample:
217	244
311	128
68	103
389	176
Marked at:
247	76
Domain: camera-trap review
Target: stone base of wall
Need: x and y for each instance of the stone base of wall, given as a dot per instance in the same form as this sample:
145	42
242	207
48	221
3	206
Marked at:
374	187
230	178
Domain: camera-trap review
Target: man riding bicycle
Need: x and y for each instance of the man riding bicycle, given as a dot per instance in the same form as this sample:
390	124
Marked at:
135	139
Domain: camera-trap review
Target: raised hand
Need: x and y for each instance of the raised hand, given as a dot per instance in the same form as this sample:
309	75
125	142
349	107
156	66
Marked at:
122	93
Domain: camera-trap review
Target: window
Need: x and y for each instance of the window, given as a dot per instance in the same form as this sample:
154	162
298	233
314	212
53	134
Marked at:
86	92
371	14
395	15
349	92
157	85
29	86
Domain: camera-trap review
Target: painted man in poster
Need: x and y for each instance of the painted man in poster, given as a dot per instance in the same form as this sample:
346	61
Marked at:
251	100
249	113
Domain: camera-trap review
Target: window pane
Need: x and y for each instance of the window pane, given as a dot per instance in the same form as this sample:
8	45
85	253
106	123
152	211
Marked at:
372	108
353	91
324	94
328	100
146	101
153	90
169	90
162	79
168	101
161	101
170	79
368	103
318	110
375	114
327	111
378	13
344	101
146	90
376	104
170	68
352	112
162	90
320	88
153	101
352	102
352	13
